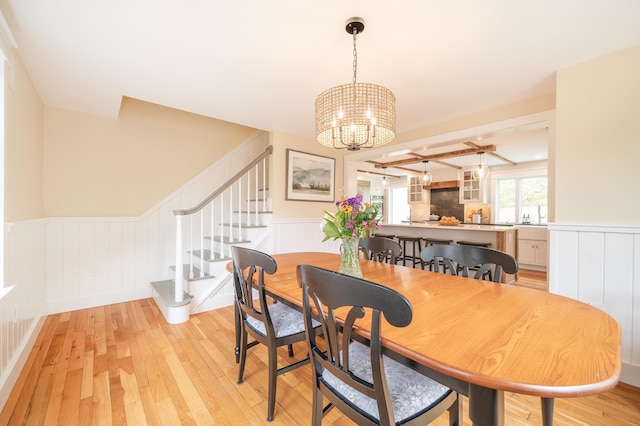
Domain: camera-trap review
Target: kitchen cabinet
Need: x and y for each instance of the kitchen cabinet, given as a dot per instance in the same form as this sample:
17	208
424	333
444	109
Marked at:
533	246
415	195
472	189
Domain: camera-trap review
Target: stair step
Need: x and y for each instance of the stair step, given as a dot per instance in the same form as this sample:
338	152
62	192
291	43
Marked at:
196	273
165	290
207	255
235	225
226	240
253	212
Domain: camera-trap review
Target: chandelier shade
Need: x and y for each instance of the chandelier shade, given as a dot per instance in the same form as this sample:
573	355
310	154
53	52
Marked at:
355	115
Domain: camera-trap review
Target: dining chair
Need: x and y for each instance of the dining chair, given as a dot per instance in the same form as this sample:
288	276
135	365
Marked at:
381	249
487	264
368	387
272	324
469	261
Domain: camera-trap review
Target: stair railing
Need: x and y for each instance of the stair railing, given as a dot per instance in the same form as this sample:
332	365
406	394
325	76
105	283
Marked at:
255	173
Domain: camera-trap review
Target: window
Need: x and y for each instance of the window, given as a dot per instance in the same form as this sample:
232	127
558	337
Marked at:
521	199
399	208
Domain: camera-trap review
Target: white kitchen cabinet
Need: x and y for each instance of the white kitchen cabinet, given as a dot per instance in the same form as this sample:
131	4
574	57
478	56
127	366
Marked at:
415	193
471	188
532	252
533	246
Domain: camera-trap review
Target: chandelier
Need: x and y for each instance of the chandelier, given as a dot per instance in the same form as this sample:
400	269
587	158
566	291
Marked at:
355	115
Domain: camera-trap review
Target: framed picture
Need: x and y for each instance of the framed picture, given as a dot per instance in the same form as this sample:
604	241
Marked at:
310	177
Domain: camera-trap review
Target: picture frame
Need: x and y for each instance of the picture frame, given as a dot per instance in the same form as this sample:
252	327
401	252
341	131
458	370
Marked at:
310	177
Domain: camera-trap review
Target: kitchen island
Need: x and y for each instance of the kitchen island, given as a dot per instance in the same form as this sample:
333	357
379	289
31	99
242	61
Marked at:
501	237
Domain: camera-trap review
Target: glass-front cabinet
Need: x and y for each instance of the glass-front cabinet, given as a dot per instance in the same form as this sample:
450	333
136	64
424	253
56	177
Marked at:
415	193
471	188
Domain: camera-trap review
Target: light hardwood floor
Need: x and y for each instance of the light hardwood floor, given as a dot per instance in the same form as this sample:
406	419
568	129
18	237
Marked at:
123	364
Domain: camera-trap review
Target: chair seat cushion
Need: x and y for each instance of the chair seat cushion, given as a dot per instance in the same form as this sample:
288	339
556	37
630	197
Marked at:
286	321
411	393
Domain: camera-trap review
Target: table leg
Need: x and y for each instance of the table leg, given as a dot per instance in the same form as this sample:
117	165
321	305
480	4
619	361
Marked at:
486	406
547	411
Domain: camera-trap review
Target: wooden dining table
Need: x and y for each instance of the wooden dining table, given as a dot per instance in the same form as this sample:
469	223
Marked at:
481	338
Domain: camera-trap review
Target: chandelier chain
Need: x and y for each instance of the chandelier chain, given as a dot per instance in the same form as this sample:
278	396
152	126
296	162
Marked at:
355	55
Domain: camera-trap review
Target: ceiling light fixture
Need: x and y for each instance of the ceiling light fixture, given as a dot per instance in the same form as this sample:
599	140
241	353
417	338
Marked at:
384	178
426	176
481	170
356	115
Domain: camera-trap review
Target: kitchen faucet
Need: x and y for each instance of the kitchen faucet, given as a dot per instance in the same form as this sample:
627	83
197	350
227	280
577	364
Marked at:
540	215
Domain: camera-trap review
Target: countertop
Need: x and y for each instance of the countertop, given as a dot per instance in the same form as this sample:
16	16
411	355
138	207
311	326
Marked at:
462	226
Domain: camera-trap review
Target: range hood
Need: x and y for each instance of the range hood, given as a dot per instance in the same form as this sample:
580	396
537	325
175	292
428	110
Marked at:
447	184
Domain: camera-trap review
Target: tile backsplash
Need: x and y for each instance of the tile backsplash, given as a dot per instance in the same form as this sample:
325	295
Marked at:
446	202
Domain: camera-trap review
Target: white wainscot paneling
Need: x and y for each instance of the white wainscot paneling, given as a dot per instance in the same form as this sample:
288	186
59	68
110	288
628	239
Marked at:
298	235
600	265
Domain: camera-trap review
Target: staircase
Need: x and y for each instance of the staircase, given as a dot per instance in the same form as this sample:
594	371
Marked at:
237	213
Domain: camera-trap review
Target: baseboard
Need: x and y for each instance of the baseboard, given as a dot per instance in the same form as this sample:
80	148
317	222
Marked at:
17	363
215	302
630	374
67	305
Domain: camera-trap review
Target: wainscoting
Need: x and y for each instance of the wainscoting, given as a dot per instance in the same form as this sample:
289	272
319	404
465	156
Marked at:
58	265
600	265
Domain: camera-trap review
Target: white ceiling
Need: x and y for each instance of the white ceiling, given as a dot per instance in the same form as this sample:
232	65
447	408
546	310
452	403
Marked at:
262	63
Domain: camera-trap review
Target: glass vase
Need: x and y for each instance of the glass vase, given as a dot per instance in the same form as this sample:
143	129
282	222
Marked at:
349	257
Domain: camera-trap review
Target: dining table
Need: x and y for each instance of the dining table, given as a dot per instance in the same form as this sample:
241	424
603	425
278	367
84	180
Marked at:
480	338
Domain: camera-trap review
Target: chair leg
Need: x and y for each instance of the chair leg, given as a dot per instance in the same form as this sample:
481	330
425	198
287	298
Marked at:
273	376
316	407
547	411
455	413
243	354
290	349
236	313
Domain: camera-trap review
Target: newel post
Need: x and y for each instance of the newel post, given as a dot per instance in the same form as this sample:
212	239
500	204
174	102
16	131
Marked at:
178	281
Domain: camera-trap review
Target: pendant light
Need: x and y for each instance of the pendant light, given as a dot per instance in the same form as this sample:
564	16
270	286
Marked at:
384	178
426	176
355	115
481	170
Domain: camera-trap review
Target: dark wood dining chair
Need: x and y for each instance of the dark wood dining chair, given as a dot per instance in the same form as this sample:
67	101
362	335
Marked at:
469	261
355	377
273	325
381	249
480	263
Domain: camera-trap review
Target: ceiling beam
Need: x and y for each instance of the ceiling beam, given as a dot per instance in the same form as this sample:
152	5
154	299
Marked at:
443	155
493	154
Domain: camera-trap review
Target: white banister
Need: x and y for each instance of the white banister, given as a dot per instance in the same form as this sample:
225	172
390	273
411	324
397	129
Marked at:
257	220
190	248
264	184
248	201
230	213
211	255
201	243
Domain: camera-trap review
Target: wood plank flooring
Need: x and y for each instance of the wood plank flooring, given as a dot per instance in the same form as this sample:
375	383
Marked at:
123	364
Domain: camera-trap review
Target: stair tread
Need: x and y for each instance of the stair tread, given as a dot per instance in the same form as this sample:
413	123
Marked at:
225	240
253	211
235	225
207	255
165	290
196	273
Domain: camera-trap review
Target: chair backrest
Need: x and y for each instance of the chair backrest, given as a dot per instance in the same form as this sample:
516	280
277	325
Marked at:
324	292
459	259
381	249
249	267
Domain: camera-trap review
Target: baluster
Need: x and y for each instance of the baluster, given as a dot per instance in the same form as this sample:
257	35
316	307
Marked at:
257	197
230	214
178	279
264	184
190	247
239	209
202	243
248	200
211	253
222	225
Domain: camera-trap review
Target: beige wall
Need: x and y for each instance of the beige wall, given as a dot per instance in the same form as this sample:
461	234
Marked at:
96	166
598	140
300	209
23	148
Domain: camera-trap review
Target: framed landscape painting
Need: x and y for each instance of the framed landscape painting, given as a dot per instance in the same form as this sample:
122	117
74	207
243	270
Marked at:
310	177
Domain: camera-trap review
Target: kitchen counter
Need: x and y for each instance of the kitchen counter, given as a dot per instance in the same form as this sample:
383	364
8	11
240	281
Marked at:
501	237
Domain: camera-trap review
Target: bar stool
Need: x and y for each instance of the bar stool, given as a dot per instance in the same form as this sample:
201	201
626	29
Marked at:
416	244
473	243
385	235
476	244
433	241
